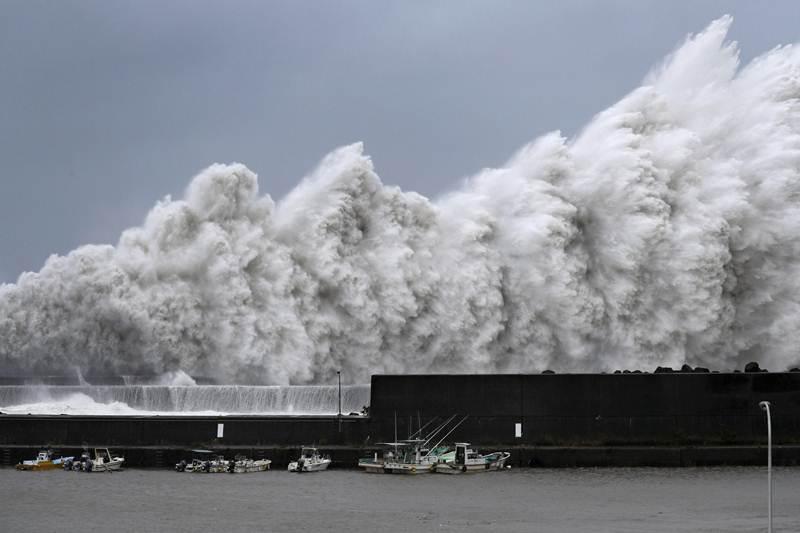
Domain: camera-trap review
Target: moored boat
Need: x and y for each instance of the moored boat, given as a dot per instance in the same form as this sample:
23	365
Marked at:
467	460
310	461
412	455
244	465
204	461
44	461
104	461
373	465
79	463
404	457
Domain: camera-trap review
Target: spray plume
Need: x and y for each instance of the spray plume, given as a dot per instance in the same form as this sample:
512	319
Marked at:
665	232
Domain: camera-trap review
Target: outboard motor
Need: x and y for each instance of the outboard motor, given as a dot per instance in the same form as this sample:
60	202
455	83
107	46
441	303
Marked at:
181	467
300	463
232	466
89	465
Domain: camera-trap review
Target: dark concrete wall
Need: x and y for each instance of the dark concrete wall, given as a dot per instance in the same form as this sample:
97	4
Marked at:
115	431
563	410
591	409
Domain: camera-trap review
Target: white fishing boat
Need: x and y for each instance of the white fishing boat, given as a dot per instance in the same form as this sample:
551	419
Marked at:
204	461
465	459
44	461
244	465
310	461
103	461
373	465
412	455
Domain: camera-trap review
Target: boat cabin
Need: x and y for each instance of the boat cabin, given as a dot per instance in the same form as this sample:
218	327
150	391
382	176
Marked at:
307	452
464	453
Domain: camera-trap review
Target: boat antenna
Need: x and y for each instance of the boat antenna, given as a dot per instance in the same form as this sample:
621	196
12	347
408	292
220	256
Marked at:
448	434
395	428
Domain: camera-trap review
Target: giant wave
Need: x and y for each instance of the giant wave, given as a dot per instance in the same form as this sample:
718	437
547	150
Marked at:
667	231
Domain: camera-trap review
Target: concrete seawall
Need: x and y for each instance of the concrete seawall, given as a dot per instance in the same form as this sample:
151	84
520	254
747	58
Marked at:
593	410
678	419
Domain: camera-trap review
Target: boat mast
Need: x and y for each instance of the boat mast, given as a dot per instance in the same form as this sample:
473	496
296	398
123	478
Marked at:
447	435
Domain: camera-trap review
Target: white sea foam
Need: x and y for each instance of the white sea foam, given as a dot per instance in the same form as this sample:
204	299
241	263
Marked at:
74	404
665	232
182	399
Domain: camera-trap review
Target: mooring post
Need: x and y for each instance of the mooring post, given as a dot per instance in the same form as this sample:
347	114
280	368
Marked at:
765	407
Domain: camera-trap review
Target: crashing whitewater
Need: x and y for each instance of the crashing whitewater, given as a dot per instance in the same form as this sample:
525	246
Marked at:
667	231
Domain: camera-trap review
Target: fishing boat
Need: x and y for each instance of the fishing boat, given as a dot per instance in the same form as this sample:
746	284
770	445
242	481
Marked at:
79	463
413	455
204	461
43	461
244	465
310	461
373	465
103	461
465	459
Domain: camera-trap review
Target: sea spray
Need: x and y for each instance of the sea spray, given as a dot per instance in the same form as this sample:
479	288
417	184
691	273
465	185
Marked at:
182	399
665	232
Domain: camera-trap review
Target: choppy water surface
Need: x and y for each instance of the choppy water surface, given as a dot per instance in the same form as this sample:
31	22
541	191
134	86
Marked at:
591	500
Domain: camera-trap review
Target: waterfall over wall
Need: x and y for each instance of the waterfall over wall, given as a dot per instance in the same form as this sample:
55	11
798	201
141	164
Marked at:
155	399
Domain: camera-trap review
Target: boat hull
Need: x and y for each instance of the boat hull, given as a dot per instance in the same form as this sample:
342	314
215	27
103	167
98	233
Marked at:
309	467
451	467
37	466
372	467
261	465
110	466
407	469
47	465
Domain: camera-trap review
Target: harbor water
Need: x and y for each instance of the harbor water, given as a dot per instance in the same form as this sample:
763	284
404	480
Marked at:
732	499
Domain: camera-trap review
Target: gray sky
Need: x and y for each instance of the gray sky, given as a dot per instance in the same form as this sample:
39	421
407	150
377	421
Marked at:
107	106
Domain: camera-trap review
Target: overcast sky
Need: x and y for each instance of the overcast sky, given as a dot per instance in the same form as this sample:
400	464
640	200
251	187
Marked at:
107	106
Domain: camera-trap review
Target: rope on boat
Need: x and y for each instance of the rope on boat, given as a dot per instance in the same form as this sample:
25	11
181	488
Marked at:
447	435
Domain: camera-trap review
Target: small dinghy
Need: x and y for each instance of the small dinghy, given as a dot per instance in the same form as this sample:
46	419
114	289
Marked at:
310	461
44	461
465	460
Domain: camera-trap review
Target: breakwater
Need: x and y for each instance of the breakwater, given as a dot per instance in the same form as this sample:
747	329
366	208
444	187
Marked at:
547	419
596	409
